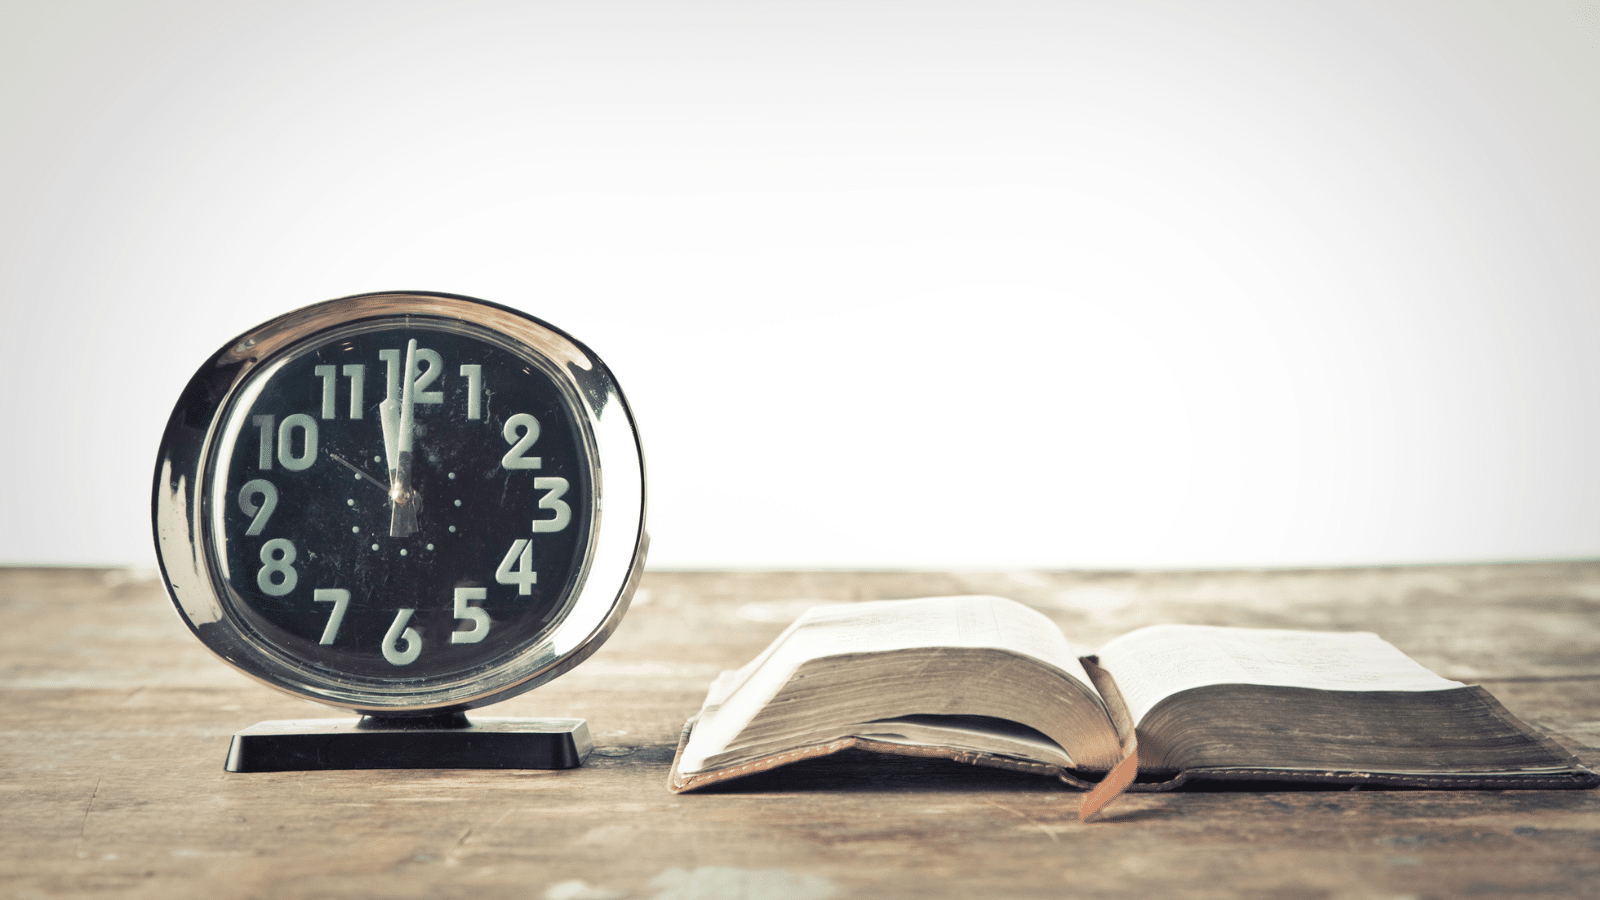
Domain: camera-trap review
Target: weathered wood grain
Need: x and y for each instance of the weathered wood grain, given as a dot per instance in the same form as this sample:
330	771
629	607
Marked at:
115	722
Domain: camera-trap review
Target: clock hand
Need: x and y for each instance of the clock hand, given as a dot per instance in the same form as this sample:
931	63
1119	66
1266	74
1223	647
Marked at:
358	470
389	412
402	499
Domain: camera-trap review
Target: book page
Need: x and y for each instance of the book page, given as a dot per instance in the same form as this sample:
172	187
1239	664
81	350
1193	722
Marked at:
874	627
974	734
1156	662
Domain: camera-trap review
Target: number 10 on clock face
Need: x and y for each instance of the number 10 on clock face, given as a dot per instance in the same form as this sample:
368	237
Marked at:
400	502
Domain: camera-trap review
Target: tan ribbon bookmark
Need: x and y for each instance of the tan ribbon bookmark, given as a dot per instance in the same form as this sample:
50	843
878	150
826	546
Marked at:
1115	782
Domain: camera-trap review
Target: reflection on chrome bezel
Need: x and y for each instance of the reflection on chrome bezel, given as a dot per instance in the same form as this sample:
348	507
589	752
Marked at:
600	592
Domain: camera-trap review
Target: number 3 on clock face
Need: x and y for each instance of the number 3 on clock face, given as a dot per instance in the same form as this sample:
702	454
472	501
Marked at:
400	503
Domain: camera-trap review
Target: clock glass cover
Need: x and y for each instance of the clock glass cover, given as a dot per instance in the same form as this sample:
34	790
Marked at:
393	503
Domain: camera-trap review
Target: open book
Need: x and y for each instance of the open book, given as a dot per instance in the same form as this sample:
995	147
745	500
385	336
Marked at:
989	681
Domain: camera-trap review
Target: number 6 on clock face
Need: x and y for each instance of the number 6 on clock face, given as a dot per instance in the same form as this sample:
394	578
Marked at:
397	502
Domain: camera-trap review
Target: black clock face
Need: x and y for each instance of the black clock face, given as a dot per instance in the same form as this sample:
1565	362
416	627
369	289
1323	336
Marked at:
400	503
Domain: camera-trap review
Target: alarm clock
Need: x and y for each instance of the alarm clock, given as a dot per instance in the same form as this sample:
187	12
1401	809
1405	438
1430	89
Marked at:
403	505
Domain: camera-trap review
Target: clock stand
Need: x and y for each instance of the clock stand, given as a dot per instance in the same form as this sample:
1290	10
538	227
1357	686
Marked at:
441	741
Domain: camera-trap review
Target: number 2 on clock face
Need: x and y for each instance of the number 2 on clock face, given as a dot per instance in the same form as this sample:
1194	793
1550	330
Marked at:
402	500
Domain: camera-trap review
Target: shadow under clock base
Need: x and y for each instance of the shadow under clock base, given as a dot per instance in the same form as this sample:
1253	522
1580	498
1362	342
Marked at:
437	742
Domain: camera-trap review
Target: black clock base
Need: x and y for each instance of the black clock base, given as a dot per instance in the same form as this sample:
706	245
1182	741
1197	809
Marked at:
440	742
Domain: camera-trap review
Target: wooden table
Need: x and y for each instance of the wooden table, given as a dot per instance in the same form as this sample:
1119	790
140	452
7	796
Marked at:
116	722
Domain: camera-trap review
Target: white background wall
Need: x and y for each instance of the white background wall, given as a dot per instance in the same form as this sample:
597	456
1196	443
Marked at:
889	284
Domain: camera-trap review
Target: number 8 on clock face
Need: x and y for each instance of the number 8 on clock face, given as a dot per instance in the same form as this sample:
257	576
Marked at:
399	503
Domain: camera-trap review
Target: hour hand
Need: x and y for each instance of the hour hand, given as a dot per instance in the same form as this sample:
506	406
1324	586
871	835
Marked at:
389	412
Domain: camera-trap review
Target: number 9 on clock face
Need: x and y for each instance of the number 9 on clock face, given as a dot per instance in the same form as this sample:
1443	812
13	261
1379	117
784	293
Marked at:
400	503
